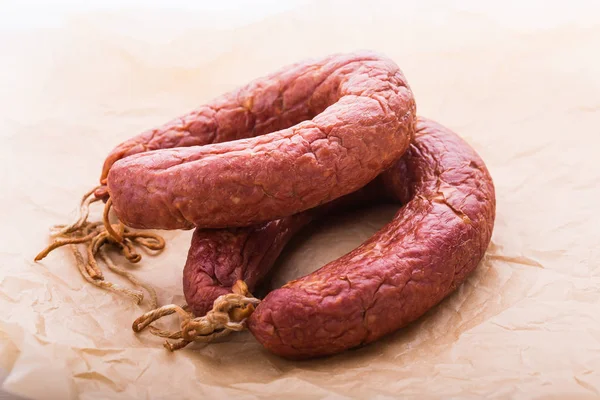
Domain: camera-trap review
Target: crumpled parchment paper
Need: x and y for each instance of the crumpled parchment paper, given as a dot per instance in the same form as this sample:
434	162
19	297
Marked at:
520	81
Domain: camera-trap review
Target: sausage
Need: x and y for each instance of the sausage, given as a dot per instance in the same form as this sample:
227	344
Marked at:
334	124
411	264
219	257
432	244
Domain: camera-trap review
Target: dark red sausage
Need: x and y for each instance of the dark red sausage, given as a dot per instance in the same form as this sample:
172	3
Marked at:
435	240
354	116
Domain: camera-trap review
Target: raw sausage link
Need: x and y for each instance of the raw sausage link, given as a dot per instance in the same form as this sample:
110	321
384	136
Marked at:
411	264
363	116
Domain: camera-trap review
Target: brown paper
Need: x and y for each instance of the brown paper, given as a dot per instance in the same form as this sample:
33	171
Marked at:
519	81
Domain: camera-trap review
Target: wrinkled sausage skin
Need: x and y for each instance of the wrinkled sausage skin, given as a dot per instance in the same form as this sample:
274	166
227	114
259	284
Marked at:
335	125
444	185
432	244
411	264
219	257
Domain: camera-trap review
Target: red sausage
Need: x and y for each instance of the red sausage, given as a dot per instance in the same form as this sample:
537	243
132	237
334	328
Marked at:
354	116
435	240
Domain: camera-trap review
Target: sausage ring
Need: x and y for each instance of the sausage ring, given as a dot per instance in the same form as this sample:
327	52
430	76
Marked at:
433	243
344	132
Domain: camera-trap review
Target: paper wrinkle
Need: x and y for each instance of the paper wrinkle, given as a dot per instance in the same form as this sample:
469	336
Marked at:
521	86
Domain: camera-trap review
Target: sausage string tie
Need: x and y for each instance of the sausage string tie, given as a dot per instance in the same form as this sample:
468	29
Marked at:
94	235
229	314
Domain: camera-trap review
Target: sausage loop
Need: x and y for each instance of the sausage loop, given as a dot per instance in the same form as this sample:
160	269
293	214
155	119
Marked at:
305	136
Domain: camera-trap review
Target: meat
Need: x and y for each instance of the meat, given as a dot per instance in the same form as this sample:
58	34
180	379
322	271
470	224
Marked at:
334	124
253	167
433	243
